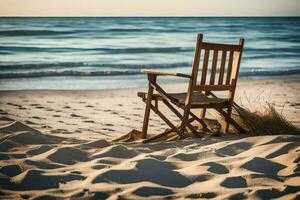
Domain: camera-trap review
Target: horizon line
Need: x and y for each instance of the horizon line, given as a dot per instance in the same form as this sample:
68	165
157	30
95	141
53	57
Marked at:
171	16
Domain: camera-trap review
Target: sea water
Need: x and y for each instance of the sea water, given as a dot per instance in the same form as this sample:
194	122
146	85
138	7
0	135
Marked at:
109	52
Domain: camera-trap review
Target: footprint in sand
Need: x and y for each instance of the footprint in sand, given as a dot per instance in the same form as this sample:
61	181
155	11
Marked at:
100	166
60	130
46	126
12	104
124	117
75	115
89	121
29	122
39	106
76	172
108	129
36	117
36	105
2	112
295	104
137	115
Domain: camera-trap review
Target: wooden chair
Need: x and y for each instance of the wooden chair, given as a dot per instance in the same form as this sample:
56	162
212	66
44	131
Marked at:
200	93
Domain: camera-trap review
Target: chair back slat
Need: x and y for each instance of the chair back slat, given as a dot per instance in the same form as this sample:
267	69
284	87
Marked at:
229	67
237	62
222	67
205	66
215	46
214	68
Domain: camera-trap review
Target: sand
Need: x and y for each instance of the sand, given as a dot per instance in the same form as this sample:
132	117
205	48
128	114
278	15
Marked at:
58	144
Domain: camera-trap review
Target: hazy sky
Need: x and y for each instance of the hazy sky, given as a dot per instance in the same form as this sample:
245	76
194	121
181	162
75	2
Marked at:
149	7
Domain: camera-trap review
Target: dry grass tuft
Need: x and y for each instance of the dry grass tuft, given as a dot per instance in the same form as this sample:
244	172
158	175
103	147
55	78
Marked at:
265	121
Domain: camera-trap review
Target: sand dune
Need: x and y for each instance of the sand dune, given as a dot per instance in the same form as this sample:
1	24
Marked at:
38	166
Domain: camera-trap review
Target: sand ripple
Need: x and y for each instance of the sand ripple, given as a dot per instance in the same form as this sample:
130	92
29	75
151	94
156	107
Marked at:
40	166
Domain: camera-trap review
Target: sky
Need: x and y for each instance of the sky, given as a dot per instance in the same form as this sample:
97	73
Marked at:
149	7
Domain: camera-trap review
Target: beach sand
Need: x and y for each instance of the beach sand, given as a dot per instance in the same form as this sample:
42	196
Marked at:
59	144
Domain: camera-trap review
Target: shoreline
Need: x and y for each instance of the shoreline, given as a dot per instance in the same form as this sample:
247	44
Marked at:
139	81
180	81
112	113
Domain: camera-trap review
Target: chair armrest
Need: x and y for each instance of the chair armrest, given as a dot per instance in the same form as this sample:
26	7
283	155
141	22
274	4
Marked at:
161	73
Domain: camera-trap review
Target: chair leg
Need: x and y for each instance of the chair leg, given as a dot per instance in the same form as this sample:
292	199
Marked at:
202	115
147	109
146	120
229	110
234	123
186	116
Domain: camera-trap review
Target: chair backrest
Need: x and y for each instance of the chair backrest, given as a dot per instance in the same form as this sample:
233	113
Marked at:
220	65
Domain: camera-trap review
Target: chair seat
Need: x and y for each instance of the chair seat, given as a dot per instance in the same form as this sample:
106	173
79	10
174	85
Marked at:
199	100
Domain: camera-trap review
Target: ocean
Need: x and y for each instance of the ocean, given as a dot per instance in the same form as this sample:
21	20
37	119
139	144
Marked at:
109	52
